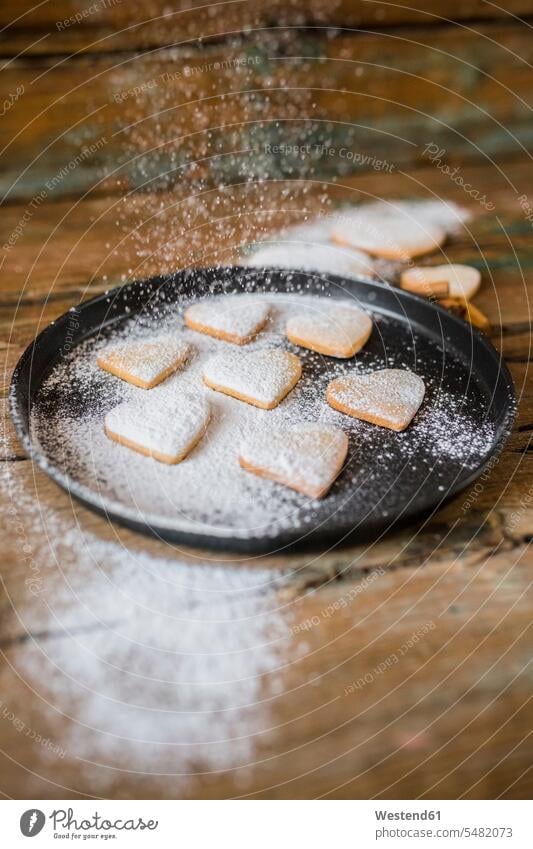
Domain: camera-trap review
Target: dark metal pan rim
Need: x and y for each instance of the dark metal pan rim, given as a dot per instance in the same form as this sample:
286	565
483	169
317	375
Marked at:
22	394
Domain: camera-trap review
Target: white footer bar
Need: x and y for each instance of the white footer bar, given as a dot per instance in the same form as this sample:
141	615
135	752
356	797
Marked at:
266	824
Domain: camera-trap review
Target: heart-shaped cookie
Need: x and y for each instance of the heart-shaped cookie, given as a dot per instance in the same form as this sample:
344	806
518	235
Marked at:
389	234
453	280
335	332
147	362
234	319
307	457
162	425
261	378
389	398
310	256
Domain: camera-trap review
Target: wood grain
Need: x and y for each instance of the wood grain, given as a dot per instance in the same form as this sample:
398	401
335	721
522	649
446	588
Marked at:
284	105
338	715
52	26
399	669
409	680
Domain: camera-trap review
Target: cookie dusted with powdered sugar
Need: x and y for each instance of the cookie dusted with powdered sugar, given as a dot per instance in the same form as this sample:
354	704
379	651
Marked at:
306	457
146	363
261	378
318	257
165	427
232	319
388	235
335	331
388	398
451	280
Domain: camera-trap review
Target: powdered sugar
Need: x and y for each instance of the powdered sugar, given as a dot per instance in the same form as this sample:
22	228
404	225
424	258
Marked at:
335	331
399	226
387	235
305	457
141	662
165	424
213	495
235	319
262	378
427	219
309	256
147	361
388	396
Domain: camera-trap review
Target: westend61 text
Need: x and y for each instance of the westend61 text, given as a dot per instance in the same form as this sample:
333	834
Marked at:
407	815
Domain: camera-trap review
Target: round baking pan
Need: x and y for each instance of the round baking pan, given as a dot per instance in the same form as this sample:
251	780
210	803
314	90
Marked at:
378	488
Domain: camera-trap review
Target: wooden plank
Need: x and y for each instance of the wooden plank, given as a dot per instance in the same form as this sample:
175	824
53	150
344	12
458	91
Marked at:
420	719
399	684
361	700
77	249
61	26
393	670
349	103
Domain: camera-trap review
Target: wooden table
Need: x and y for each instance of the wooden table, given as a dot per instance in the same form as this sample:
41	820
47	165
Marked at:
133	669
